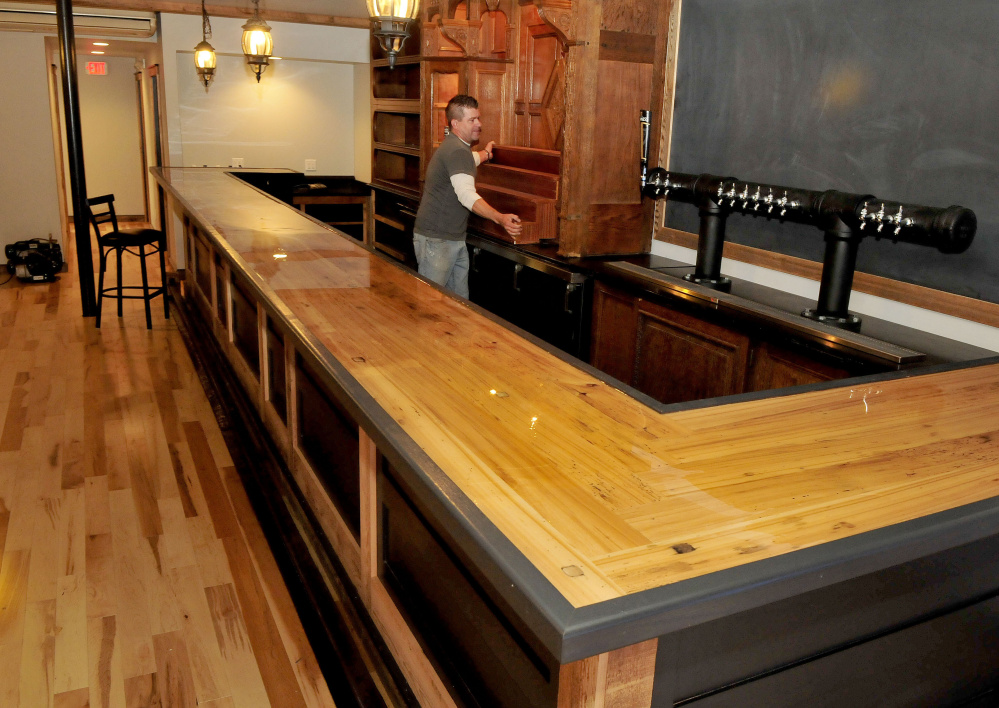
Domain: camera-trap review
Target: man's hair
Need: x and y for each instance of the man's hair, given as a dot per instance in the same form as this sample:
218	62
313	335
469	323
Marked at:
456	107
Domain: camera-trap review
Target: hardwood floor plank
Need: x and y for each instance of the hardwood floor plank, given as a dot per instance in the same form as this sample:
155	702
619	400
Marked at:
98	513
102	584
13	602
142	692
37	673
213	564
230	630
43	578
209	675
173	671
71	670
4	522
107	687
116	454
184	483
14	421
211	483
133	610
79	698
220	703
176	548
72	532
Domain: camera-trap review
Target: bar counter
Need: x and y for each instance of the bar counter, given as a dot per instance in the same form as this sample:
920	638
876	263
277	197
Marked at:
607	534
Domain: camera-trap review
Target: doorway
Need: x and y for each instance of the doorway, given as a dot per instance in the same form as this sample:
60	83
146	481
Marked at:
120	124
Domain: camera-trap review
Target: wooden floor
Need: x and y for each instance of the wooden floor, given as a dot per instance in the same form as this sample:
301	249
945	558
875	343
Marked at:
133	571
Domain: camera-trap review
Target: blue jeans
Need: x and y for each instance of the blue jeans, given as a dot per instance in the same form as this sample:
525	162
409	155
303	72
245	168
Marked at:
444	262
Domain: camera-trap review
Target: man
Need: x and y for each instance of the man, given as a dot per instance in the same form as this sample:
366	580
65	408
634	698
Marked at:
448	195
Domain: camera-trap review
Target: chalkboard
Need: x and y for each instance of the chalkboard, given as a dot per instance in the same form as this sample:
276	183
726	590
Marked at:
897	98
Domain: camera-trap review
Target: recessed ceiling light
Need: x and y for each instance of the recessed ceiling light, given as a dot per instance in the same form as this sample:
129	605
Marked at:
96	52
100	44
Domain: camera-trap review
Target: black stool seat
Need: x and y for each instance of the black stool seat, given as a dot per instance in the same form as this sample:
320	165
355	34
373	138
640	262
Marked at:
132	238
125	241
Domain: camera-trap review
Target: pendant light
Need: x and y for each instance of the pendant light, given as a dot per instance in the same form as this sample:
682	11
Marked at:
390	21
204	53
258	45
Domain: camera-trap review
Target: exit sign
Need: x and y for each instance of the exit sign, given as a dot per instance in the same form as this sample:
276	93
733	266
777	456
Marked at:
97	68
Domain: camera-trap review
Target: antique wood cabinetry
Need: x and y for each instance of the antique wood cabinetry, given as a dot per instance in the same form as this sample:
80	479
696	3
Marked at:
676	356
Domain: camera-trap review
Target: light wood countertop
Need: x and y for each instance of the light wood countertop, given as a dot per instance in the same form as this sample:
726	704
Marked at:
604	495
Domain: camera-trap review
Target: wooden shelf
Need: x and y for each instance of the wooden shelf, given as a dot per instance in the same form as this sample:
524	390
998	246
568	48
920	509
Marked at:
402	188
390	222
396	105
401	149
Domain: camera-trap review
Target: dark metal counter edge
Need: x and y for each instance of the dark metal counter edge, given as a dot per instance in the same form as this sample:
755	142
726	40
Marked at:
576	633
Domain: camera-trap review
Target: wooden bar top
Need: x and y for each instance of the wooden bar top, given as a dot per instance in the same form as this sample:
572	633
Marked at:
604	495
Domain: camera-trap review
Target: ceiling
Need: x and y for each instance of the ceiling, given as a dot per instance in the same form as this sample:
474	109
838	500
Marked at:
342	8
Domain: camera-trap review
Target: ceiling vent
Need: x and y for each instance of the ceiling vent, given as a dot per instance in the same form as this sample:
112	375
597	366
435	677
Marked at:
86	21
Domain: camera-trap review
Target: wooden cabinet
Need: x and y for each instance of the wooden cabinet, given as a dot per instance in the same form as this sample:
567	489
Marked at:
393	225
615	331
675	356
777	367
681	358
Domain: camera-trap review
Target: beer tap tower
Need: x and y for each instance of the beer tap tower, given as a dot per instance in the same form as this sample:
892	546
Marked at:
845	219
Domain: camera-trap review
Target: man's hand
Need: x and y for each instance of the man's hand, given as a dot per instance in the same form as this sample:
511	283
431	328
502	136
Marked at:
488	151
511	223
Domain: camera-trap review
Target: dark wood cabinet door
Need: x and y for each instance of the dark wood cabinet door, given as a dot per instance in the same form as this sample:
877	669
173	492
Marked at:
776	367
681	358
615	320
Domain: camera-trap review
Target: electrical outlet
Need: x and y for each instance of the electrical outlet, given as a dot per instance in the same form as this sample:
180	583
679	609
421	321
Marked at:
236	162
310	165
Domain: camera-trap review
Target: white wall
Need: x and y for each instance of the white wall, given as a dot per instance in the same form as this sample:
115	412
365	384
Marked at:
362	122
303	108
112	142
915	317
29	204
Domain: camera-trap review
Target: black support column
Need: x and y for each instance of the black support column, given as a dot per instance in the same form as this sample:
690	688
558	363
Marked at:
74	148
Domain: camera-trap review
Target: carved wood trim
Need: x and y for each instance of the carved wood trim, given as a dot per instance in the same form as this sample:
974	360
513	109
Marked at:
966	308
557	14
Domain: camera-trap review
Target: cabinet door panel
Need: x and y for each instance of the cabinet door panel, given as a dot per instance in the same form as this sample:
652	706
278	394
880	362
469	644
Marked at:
615	320
680	358
776	367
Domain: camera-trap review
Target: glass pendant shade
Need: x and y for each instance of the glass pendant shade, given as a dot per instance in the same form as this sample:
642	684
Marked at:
258	45
204	62
390	21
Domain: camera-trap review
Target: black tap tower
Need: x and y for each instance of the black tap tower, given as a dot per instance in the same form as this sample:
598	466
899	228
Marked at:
844	218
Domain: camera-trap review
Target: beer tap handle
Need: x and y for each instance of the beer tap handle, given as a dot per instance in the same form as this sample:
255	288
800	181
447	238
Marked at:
769	201
745	196
864	215
756	199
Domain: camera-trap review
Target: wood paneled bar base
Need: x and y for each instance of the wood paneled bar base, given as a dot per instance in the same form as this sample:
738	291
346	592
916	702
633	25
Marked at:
524	532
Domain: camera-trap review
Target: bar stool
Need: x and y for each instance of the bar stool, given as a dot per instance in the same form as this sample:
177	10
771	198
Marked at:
119	240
